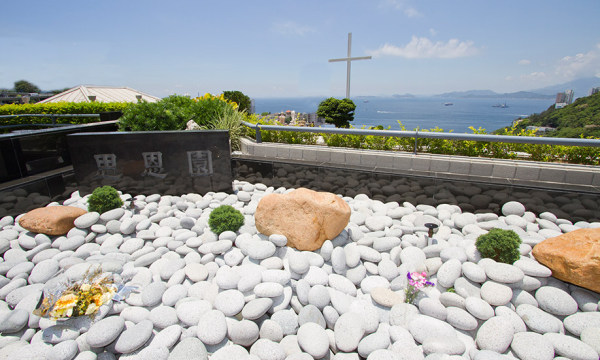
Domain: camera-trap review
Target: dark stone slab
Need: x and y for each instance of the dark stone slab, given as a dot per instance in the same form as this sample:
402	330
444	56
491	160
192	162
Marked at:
165	162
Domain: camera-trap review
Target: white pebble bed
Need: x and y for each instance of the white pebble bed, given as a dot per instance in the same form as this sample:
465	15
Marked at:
247	296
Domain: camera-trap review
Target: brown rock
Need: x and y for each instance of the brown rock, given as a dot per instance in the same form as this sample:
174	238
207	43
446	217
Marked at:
306	217
573	257
51	220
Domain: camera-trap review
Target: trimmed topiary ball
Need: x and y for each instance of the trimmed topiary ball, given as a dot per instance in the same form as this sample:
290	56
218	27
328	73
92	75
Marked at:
225	218
500	245
103	199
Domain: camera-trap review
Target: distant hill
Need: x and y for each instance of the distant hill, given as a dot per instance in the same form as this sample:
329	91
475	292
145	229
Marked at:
492	94
581	87
582	117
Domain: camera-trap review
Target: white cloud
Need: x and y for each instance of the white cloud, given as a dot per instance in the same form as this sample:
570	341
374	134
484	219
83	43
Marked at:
402	5
524	62
424	48
536	75
291	28
580	65
433	32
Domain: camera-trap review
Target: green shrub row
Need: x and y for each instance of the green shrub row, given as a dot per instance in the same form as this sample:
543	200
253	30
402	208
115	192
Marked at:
57	108
535	152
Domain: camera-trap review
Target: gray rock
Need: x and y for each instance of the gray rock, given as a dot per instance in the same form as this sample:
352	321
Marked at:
105	331
268	289
174	294
373	342
423	327
473	272
504	273
571	347
496	294
444	345
58	333
230	302
555	301
189	348
271	330
495	334
190	312
311	313
515	320
460	319
532	268
591	336
65	350
513	208
433	308
348	331
267	350
478	308
313	339
167	337
449	272
212	328
163	317
532	346
578	322
135	314
256	308
153	293
318	296
243	333
298	262
261	250
230	352
13	321
538	320
287	319
134	337
86	220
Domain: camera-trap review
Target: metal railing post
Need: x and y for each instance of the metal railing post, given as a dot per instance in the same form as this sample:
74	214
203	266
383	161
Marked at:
416	140
258	135
53	117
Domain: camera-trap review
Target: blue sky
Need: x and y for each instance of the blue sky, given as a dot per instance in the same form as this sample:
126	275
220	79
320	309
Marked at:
280	48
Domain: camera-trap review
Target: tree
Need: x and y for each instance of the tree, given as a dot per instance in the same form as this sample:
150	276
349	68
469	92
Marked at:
26	87
239	98
337	112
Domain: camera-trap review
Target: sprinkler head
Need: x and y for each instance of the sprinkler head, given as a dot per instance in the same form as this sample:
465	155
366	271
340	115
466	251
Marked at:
431	227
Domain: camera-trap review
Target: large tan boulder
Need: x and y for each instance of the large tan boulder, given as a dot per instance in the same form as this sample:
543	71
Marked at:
306	217
573	257
51	220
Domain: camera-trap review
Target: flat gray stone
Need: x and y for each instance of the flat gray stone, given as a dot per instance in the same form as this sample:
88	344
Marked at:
460	319
503	273
532	346
348	331
212	327
153	293
65	350
230	302
105	331
189	348
266	349
449	272
256	308
478	308
163	316
532	268
444	345
287	319
538	320
311	313
580	321
134	337
571	347
495	334
86	220
243	333
59	333
555	301
496	294
167	337
268	289
423	327
473	272
313	339
13	321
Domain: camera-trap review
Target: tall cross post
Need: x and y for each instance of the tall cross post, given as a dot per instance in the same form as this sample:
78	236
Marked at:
348	60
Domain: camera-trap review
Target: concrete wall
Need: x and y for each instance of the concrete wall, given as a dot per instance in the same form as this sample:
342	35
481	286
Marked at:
498	171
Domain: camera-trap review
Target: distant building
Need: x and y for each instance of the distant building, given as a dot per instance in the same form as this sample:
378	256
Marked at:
594	90
563	99
540	129
91	93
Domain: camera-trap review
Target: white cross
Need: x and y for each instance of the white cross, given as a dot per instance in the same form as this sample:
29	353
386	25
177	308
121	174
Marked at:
348	60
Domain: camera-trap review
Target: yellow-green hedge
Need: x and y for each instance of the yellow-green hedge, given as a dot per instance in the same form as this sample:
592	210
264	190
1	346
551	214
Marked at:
57	108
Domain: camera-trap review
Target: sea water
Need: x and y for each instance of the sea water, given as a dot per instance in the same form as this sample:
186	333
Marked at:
422	112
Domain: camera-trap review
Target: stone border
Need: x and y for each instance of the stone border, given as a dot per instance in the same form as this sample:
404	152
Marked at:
497	171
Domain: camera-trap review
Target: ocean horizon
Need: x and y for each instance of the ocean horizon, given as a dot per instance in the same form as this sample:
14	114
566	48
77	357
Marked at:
449	114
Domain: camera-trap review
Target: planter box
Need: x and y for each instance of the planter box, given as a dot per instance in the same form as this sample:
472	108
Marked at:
165	162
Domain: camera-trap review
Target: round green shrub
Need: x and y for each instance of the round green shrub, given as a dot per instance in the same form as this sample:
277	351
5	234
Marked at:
103	199
225	218
500	245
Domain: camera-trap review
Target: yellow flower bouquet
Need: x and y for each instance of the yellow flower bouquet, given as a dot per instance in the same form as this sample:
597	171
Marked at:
80	298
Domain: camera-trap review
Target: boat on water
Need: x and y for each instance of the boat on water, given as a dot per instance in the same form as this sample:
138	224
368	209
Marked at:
448	104
503	106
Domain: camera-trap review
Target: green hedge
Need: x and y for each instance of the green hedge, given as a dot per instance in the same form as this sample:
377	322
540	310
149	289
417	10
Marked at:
58	108
547	153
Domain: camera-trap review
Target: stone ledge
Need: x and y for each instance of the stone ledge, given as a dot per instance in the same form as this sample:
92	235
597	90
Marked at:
495	171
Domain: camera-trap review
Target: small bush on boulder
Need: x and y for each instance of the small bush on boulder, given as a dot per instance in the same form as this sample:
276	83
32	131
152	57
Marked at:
103	199
225	218
500	245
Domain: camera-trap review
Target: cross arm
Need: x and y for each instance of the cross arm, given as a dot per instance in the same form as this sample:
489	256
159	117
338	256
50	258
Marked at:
351	59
